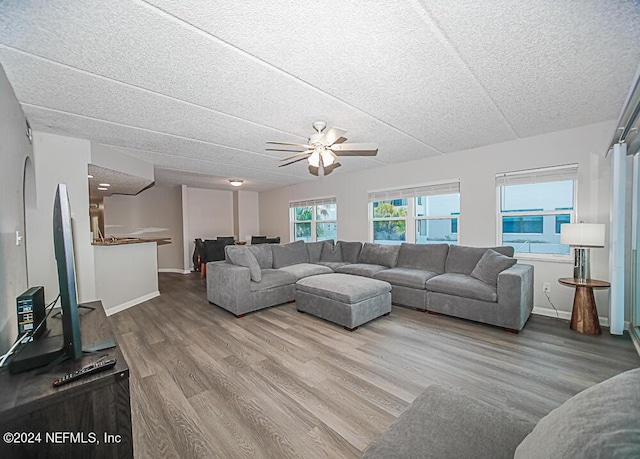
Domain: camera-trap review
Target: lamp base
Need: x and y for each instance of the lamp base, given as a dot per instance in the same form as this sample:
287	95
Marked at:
582	263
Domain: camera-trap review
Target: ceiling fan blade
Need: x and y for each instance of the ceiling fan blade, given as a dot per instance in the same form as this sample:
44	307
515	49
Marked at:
355	149
314	170
283	149
330	137
286	164
302	153
301	145
356	153
331	168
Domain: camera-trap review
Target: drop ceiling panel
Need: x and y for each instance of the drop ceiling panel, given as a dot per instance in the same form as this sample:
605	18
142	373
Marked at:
201	85
379	56
141	47
44	83
548	65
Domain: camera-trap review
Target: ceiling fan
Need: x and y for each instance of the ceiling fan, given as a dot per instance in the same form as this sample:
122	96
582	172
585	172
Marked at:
323	149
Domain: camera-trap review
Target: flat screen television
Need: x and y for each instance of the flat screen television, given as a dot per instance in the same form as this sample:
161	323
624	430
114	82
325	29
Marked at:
65	260
45	351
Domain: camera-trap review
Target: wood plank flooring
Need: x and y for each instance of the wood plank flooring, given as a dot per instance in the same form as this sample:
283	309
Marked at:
278	383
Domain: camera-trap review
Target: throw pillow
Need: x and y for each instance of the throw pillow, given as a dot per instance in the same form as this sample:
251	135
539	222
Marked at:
331	253
289	254
241	256
490	265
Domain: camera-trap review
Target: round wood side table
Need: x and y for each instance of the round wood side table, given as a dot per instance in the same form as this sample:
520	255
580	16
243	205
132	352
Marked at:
584	316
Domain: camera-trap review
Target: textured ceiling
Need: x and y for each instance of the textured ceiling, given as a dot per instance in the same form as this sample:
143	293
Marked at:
117	182
198	86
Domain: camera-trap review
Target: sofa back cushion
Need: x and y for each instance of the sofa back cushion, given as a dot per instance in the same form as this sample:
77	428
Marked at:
289	254
241	256
350	251
331	253
263	254
463	260
602	421
314	249
429	257
378	254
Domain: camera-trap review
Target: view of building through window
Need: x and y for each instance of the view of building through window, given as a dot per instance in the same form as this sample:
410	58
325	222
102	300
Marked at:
427	219
531	215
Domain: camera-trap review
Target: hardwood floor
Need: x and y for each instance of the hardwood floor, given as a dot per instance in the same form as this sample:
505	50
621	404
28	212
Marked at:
277	383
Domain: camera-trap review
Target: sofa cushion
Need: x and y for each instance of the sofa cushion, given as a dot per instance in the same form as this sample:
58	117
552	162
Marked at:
333	264
350	251
447	423
462	259
406	277
241	256
430	257
263	254
379	254
345	289
360	269
462	285
302	270
490	265
314	249
272	278
331	253
602	421
289	254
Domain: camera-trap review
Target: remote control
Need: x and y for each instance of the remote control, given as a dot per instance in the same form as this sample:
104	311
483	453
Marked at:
85	371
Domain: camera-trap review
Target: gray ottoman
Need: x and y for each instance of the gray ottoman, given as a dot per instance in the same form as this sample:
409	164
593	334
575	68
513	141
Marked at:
343	299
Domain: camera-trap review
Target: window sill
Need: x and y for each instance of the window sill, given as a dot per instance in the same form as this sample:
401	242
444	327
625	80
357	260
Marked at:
564	259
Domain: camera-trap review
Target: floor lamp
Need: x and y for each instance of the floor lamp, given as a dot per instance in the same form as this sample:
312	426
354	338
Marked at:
582	237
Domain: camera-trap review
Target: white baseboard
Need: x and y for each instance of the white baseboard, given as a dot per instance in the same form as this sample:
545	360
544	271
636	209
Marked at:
566	315
128	304
174	270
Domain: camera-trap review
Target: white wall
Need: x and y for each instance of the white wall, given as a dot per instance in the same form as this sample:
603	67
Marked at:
127	274
209	215
15	150
60	159
155	212
248	214
110	158
476	170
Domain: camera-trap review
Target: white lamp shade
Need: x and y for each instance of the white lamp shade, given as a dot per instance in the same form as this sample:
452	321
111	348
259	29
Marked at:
582	234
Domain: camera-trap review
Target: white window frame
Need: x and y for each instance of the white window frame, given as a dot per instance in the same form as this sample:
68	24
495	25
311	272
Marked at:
411	194
314	220
532	176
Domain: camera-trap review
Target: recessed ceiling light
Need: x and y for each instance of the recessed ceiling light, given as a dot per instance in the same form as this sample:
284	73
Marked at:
235	182
89	176
101	188
105	184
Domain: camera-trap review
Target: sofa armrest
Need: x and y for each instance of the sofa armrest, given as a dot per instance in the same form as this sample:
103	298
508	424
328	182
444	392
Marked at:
228	286
448	423
515	292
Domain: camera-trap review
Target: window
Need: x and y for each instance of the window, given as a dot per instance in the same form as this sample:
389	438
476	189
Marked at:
423	215
314	220
531	207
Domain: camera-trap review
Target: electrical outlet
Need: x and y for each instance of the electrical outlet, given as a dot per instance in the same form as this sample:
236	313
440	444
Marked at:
546	287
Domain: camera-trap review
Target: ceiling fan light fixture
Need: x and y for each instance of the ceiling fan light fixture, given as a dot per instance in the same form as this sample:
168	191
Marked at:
314	159
327	158
235	182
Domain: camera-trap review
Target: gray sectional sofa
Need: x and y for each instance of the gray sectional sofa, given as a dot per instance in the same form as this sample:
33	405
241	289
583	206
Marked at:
602	421
481	284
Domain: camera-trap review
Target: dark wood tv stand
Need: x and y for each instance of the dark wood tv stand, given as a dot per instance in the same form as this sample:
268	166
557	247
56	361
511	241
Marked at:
90	417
